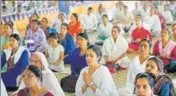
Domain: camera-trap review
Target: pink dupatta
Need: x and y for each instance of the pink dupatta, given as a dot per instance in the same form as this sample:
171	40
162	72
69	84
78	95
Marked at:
167	49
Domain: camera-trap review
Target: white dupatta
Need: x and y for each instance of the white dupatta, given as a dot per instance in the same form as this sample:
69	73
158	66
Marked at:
49	80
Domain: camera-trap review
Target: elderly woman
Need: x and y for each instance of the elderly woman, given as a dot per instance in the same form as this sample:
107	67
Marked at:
95	80
114	49
137	35
13	61
163	85
32	77
67	41
37	35
49	80
165	48
138	64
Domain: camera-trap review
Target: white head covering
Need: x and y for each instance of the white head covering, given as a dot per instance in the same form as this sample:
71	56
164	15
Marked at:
49	80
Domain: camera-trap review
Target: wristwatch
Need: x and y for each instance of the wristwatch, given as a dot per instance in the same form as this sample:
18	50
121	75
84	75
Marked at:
91	84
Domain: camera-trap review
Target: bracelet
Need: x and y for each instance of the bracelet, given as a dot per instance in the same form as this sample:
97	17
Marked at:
90	84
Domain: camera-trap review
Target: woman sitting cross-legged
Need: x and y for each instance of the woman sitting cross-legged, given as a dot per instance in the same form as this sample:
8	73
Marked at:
114	50
137	35
55	53
78	57
67	41
95	80
78	62
165	49
13	62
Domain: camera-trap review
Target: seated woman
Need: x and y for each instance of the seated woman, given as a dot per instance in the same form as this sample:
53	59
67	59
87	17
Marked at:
75	25
13	61
49	80
78	57
165	48
77	61
154	22
161	18
8	30
163	85
114	49
167	14
90	21
67	41
100	13
37	35
44	26
95	80
104	29
143	85
137	65
32	77
55	53
138	34
63	17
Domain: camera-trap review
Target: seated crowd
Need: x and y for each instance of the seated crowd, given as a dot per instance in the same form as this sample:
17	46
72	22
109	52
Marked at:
29	65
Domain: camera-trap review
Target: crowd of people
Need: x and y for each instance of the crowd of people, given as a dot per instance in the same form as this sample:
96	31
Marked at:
28	65
11	7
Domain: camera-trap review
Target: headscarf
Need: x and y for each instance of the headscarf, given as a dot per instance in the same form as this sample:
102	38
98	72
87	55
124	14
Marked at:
49	79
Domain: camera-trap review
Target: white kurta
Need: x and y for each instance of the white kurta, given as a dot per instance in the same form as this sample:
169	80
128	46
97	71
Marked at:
155	24
145	14
56	23
102	79
128	17
99	17
3	89
115	49
54	55
105	30
134	68
90	22
168	17
117	14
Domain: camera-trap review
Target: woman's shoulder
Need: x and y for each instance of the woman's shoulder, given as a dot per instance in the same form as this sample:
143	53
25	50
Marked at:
45	92
22	92
104	68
